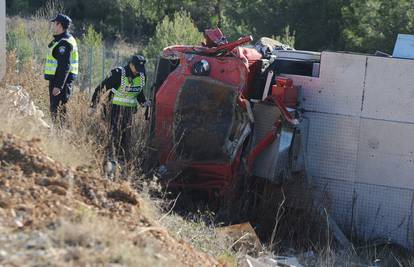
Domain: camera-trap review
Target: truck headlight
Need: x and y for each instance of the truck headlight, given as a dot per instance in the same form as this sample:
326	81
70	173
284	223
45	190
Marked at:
201	68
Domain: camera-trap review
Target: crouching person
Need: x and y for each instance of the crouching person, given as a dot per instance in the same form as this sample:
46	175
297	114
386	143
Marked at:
125	86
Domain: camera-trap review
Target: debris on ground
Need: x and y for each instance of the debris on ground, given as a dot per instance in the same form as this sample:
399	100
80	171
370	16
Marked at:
19	100
267	261
243	238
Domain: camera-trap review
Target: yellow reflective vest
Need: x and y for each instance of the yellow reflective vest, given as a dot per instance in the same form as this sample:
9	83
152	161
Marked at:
127	93
52	64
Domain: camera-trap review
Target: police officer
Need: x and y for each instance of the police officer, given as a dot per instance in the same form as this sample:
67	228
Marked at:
125	85
61	67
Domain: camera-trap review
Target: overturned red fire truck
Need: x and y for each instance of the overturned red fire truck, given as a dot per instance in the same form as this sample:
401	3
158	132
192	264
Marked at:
222	111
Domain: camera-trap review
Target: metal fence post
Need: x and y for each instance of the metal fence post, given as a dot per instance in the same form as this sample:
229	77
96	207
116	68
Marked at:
90	62
103	62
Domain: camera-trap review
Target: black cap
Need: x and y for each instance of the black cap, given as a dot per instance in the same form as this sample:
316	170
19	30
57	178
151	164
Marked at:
138	61
62	19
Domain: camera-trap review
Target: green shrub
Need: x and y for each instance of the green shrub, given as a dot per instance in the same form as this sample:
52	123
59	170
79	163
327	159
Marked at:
92	38
177	30
18	40
90	57
287	37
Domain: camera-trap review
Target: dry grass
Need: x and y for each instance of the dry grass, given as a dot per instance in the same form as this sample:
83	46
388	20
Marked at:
196	228
84	139
301	230
198	233
82	142
61	145
202	236
94	240
30	77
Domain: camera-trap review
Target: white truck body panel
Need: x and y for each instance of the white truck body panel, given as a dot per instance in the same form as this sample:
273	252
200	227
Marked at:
359	147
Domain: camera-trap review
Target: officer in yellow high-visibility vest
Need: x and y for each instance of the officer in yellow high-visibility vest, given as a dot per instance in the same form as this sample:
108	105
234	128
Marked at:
61	67
125	86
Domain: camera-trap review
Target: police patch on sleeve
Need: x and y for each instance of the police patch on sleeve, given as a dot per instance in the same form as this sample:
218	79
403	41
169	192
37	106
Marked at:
62	49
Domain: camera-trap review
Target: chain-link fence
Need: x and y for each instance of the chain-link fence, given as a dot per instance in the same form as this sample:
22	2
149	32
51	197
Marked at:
96	63
29	39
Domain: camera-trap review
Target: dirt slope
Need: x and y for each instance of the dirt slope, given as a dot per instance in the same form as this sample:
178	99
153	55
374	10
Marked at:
52	215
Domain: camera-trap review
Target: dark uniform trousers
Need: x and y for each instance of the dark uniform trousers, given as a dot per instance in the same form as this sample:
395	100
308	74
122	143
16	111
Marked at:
58	103
121	128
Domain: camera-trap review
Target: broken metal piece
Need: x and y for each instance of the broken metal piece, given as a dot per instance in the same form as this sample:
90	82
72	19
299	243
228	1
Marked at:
243	237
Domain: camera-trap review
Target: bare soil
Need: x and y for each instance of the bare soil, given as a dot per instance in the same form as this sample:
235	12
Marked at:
39	197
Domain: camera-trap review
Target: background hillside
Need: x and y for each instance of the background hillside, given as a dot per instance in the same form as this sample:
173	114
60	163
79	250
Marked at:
360	26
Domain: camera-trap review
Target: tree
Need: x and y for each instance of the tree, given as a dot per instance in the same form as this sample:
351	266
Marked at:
287	38
23	7
316	23
356	25
372	25
179	29
18	41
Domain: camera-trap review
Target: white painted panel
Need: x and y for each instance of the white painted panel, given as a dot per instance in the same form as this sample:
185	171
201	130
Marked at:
339	88
372	212
389	89
384	213
332	146
359	143
337	197
386	153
